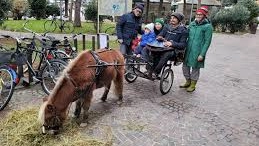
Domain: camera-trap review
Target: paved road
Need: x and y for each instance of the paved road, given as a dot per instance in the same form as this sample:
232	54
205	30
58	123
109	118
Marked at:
223	111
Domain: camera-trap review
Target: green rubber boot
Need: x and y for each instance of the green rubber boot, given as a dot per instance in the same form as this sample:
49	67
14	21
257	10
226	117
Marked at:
186	84
191	88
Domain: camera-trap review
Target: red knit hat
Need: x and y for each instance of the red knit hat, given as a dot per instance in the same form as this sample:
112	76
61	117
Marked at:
204	10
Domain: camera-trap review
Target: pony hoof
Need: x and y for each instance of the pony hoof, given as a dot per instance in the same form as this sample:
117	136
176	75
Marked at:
83	124
119	102
103	99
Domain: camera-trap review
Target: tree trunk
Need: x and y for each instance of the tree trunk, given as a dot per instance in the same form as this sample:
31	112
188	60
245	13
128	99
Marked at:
199	4
160	8
71	10
66	8
147	10
184	10
77	20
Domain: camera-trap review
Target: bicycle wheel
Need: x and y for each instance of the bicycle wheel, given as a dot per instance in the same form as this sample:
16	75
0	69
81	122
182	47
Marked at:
111	30
35	60
68	27
60	54
6	86
166	81
50	26
50	73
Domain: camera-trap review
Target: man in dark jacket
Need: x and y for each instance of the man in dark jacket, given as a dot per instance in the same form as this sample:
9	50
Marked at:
128	28
175	36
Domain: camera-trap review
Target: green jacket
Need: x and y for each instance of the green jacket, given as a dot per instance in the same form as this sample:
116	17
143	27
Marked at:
199	40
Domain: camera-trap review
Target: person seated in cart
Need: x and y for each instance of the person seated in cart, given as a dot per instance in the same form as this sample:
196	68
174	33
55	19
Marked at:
173	36
148	37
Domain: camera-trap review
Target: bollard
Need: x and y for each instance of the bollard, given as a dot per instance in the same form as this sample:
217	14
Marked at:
29	58
93	43
75	44
84	42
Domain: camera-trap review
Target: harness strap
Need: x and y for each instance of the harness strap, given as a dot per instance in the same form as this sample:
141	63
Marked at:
102	64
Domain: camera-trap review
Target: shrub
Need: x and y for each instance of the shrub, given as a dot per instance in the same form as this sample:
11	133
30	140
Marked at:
212	15
239	16
52	10
5	5
38	8
233	19
252	7
91	13
19	8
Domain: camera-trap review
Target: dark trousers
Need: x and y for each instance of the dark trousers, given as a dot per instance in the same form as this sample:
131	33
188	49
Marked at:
126	50
163	60
139	50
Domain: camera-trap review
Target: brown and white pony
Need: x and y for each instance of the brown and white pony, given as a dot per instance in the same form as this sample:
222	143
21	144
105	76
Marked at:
77	84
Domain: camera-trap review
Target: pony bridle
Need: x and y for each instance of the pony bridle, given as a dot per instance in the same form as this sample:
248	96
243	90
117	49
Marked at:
55	123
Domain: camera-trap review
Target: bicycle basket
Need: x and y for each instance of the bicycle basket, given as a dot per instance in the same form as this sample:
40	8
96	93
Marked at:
6	57
20	58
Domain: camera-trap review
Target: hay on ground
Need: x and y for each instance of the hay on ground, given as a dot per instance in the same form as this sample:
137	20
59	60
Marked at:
21	128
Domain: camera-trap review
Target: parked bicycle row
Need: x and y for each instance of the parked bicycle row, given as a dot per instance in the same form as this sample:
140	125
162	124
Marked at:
40	58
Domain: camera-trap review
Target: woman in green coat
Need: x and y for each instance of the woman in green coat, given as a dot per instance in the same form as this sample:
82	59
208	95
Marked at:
200	35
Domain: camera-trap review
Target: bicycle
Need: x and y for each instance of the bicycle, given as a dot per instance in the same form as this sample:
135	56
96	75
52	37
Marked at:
49	70
51	25
48	45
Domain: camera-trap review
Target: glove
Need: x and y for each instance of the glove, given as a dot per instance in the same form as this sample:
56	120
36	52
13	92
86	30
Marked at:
120	41
160	38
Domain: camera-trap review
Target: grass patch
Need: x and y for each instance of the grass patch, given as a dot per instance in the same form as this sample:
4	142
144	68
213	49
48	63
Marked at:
38	26
20	128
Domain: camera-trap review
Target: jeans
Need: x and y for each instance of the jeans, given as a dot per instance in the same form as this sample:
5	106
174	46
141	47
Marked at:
190	72
126	50
145	54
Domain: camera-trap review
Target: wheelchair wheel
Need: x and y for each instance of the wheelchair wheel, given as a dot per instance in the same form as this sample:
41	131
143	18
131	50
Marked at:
166	81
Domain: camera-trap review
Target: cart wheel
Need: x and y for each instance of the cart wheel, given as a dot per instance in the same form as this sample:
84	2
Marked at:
166	81
130	77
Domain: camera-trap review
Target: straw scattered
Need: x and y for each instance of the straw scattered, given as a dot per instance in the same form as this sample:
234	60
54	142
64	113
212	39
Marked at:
21	128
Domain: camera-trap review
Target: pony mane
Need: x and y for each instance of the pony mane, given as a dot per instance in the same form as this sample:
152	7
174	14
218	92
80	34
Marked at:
64	75
41	116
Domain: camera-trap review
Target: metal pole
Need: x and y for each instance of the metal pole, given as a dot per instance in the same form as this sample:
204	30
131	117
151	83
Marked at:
98	41
93	43
75	44
98	17
191	13
126	6
60	4
83	42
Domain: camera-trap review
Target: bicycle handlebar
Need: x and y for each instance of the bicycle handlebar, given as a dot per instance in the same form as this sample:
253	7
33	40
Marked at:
40	37
73	36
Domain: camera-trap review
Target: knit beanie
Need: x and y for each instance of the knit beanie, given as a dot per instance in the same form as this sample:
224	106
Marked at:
160	20
139	6
179	16
150	26
204	10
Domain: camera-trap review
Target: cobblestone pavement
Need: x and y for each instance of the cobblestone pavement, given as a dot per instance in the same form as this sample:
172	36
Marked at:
223	111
